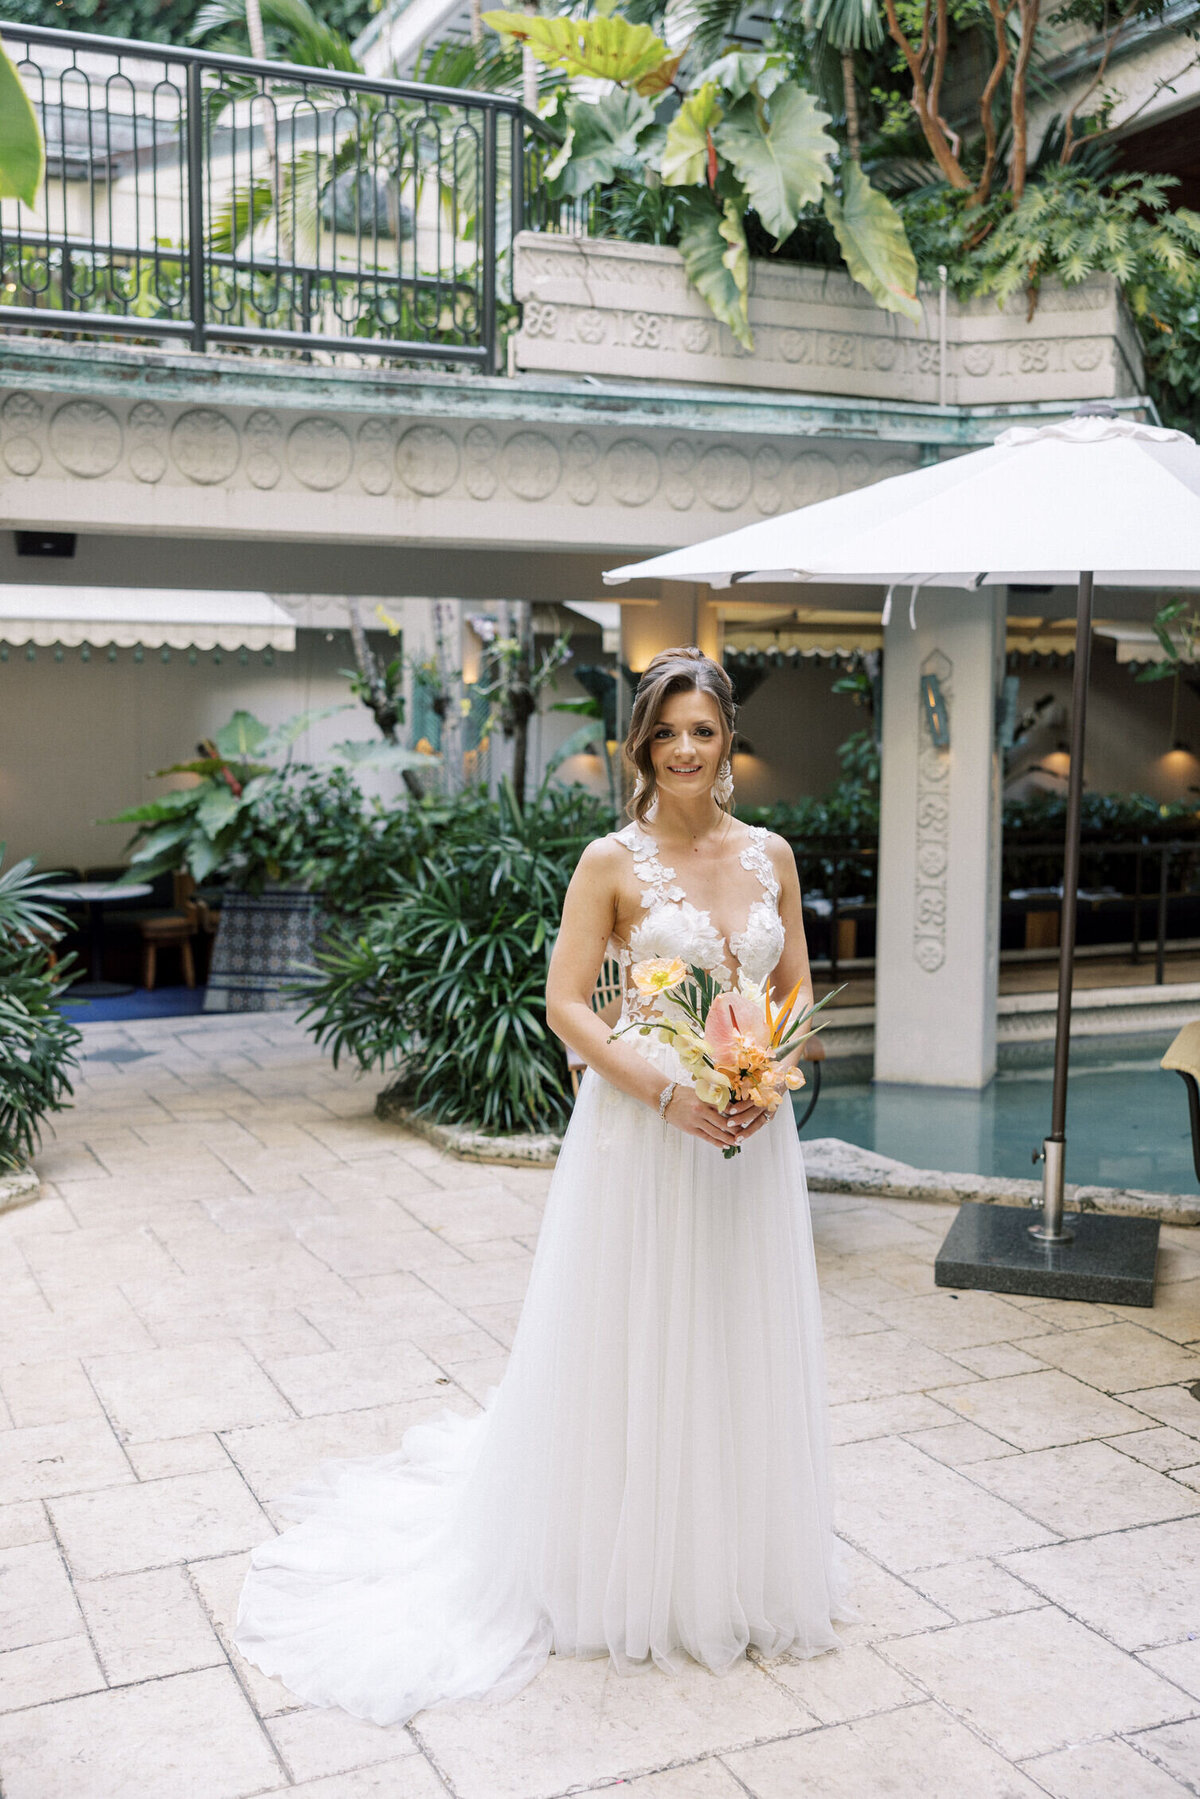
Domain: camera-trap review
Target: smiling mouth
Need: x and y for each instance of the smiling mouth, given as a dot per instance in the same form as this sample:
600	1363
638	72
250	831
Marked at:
693	770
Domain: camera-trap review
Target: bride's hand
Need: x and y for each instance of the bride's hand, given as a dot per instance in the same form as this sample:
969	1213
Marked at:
692	1115
744	1119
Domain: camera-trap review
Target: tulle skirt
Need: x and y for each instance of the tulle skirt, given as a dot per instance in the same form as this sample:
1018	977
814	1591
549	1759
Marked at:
648	1482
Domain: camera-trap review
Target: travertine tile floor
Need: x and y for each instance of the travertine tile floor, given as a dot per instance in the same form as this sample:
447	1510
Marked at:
234	1271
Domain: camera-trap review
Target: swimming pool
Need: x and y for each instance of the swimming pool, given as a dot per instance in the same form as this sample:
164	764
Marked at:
1127	1118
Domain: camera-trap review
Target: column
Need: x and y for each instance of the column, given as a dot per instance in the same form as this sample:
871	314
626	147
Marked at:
937	954
683	613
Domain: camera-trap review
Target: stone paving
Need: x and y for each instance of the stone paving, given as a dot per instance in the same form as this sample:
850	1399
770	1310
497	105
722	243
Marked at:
234	1271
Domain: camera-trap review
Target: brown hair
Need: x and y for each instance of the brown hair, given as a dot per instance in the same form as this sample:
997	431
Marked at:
682	670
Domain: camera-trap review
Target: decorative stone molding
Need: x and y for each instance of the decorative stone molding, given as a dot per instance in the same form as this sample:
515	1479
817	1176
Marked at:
933	830
262	472
601	307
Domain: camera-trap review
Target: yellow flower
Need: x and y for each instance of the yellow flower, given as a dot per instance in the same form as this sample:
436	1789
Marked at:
658	974
713	1088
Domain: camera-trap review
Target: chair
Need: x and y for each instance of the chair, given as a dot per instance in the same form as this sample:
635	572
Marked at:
1184	1057
169	928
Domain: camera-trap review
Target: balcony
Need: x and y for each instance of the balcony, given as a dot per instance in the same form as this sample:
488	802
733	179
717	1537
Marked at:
227	203
224	202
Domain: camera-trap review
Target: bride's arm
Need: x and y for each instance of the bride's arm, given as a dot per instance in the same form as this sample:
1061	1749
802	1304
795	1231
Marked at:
589	915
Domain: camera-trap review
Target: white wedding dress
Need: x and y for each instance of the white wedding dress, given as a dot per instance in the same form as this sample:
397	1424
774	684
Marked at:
649	1480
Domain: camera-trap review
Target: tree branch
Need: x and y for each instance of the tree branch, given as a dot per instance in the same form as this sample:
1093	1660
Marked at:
1110	44
931	125
1027	11
986	99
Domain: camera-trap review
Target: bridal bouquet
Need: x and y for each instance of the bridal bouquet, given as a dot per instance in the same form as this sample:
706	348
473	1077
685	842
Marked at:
731	1044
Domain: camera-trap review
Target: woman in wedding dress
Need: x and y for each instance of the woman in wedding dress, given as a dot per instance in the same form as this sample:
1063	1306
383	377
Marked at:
649	1480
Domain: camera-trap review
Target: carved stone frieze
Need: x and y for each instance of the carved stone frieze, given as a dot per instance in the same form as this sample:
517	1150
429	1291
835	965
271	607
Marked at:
595	306
494	476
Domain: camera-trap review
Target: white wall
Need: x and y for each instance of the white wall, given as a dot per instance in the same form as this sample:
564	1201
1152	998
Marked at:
1128	747
78	739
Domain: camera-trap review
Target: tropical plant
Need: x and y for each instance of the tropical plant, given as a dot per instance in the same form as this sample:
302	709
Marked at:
165	21
1177	627
37	1044
1077	221
248	817
739	139
22	154
445	981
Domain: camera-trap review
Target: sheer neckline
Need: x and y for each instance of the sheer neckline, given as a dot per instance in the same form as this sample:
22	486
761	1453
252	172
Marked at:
661	888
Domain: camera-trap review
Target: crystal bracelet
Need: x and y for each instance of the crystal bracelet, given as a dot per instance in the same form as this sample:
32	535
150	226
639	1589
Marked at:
665	1098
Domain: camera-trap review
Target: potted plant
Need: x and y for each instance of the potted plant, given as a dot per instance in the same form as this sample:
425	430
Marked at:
37	1044
277	834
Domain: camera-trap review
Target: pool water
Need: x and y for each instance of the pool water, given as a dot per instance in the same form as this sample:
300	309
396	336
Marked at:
1127	1119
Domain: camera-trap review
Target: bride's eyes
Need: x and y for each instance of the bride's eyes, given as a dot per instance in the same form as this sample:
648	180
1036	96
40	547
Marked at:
665	731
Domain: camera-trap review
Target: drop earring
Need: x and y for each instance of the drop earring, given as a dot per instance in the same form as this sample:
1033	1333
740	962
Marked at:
722	790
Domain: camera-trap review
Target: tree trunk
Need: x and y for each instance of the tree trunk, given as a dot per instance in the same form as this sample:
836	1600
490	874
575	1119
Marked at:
853	129
529	79
383	710
521	699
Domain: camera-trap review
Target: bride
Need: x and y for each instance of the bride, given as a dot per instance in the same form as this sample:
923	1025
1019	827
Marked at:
649	1480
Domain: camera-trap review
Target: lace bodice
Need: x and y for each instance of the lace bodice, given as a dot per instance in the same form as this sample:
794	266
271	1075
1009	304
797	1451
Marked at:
672	926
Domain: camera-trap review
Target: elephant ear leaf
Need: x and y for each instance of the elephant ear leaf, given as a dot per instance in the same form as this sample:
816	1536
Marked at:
609	48
241	737
686	155
783	163
713	247
602	138
872	238
22	157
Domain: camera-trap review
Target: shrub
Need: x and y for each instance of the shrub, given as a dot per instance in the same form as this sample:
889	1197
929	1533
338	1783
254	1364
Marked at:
446	980
37	1044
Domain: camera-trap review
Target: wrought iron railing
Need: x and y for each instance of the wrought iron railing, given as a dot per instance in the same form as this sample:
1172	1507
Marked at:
220	201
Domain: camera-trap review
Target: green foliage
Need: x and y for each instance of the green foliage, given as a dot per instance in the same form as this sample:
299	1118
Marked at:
602	139
713	246
1074	223
247	819
163	21
871	234
780	152
446	979
1180	651
743	143
292	31
37	1045
22	157
607	47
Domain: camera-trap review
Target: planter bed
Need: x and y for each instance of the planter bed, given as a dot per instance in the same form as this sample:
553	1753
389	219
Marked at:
531	1149
18	1187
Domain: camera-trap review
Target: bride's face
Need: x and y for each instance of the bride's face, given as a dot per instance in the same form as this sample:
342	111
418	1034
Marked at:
686	745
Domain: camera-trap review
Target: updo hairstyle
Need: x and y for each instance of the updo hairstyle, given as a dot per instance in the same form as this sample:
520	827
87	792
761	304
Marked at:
682	670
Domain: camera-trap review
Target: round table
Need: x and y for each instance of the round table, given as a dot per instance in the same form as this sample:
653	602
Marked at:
91	895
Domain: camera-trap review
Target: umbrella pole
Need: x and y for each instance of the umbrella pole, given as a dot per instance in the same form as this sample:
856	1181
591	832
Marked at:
1054	1147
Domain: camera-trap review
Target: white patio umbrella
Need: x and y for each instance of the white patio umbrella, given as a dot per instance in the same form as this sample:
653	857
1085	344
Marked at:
1094	499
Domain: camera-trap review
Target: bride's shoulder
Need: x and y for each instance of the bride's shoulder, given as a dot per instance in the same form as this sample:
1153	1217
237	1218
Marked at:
604	856
777	850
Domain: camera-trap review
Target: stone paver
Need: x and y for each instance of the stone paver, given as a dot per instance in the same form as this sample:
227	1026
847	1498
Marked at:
234	1271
